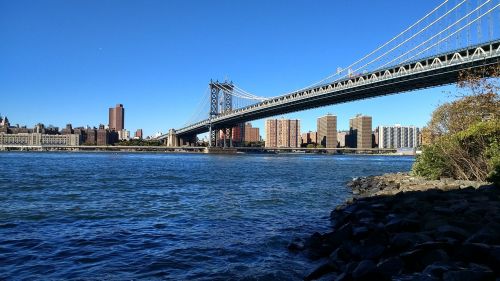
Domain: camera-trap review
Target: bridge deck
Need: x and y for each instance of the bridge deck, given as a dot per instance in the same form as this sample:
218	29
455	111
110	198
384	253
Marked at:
433	71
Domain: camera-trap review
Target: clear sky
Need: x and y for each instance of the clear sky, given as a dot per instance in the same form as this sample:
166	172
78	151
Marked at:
69	61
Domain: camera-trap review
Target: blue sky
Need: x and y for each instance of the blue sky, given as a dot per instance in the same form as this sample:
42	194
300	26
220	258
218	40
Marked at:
69	61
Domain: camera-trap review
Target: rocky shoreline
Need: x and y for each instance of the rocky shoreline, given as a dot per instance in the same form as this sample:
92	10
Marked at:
399	227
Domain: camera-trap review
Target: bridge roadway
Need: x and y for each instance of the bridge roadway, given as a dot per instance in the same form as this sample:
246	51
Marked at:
428	72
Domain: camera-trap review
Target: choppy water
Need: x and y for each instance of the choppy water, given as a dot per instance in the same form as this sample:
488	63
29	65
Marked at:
168	216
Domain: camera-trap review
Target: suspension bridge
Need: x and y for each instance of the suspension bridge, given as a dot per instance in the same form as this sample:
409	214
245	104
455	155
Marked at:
455	36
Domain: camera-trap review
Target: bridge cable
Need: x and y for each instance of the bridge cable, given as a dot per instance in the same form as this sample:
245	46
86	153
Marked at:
468	24
377	49
413	36
458	30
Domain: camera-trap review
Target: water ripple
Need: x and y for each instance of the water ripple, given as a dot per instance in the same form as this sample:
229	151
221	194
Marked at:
104	216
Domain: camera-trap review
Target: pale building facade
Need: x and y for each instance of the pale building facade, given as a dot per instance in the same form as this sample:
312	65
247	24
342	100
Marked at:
37	139
398	136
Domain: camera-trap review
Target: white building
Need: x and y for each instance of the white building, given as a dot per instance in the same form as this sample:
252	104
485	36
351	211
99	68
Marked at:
124	135
398	136
37	139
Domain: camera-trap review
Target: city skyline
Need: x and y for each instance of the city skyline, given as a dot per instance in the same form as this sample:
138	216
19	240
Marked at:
160	78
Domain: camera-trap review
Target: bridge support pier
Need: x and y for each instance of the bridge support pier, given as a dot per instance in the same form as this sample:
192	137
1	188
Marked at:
224	131
172	139
230	137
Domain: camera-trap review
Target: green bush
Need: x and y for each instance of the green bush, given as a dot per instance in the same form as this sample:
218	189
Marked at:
471	154
431	164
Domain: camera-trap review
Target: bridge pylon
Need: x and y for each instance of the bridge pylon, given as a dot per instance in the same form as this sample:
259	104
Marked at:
221	101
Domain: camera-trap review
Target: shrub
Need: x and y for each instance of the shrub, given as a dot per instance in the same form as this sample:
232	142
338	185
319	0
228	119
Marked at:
471	154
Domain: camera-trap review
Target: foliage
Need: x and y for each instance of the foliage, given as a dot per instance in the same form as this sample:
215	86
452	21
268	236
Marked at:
462	139
431	163
480	101
311	145
472	154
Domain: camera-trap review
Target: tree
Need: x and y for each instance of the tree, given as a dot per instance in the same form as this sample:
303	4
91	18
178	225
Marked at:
478	101
463	136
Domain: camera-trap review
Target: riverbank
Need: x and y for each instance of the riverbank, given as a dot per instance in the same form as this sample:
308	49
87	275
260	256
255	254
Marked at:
399	227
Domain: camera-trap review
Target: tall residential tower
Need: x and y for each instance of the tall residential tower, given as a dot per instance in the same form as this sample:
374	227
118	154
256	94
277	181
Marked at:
117	118
282	133
360	132
327	131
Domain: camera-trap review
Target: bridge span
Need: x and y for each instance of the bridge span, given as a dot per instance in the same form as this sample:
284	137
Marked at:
438	70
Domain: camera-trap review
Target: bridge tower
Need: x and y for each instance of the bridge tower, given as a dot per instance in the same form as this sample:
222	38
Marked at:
220	103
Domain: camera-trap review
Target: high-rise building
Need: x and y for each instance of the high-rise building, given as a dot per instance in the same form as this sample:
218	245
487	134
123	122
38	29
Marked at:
251	134
327	131
238	134
398	136
341	138
117	118
309	138
138	134
360	132
282	133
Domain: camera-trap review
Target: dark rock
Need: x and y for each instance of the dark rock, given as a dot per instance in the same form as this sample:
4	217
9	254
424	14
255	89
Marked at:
406	240
447	246
452	231
437	269
318	247
485	235
390	266
402	224
494	259
432	256
360	231
459	206
369	252
314	241
295	246
338	236
320	271
366	270
350	267
329	276
414	277
344	277
472	274
474	252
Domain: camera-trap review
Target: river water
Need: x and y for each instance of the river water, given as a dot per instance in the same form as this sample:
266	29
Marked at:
108	216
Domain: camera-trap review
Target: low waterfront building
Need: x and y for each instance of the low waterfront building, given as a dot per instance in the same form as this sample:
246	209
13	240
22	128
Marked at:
398	136
38	139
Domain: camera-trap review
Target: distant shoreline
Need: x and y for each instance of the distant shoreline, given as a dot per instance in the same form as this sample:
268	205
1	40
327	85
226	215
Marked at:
199	149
